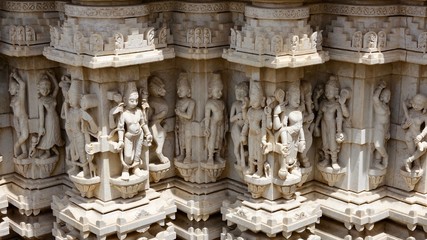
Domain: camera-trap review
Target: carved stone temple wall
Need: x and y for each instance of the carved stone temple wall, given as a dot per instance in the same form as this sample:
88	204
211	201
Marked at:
201	120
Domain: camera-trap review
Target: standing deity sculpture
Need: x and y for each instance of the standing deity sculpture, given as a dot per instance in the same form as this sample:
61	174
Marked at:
20	117
215	120
415	118
78	125
49	132
254	132
381	99
308	125
237	119
289	135
329	122
159	109
184	110
133	133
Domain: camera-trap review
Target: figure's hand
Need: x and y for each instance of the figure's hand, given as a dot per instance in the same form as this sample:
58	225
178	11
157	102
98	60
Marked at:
387	136
270	100
267	110
42	131
120	145
318	93
301	146
407	123
339	137
382	84
277	110
310	118
317	132
149	137
243	140
207	132
245	103
418	139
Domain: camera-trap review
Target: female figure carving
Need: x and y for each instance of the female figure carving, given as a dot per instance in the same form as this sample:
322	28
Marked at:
381	125
49	134
215	119
159	107
288	124
184	111
332	111
237	119
254	132
415	117
20	116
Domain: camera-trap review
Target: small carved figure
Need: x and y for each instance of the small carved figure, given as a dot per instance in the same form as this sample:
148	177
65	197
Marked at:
49	132
207	37
20	117
276	44
198	37
237	119
381	125
290	135
159	109
118	41
20	34
254	132
12	34
184	111
133	132
163	34
422	41
233	38
415	118
357	40
149	35
382	40
332	111
30	35
65	87
215	119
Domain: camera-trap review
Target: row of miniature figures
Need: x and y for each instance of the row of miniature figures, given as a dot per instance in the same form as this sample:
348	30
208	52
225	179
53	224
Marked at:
283	124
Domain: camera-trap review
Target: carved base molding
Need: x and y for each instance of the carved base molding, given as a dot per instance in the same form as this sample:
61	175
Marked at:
109	60
31	226
274	218
199	201
94	219
275	62
208	230
32	196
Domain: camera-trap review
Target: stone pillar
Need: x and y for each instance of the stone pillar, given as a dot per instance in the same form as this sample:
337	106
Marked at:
115	114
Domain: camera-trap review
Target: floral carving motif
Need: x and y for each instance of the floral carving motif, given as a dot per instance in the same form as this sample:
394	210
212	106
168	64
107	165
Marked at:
294	13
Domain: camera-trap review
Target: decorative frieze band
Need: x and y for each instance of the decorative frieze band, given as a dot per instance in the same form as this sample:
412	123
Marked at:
268	13
41	6
106	12
368	11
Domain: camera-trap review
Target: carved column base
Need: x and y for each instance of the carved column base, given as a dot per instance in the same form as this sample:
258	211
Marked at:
330	175
305	173
200	172
86	186
158	171
35	168
132	186
411	178
199	201
95	219
272	218
208	230
376	177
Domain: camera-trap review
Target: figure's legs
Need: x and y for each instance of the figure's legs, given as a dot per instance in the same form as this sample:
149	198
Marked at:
260	167
283	171
128	154
334	160
159	135
23	136
415	158
380	152
251	164
211	143
188	141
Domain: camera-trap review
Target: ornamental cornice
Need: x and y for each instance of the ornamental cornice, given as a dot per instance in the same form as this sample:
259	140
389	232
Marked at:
38	6
270	13
368	11
106	12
